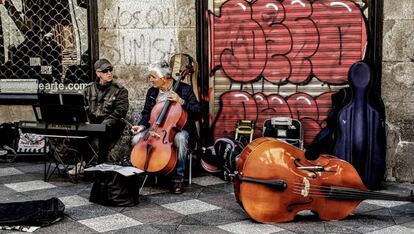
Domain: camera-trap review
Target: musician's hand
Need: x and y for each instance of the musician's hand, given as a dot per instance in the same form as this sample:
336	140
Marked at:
154	134
173	96
137	129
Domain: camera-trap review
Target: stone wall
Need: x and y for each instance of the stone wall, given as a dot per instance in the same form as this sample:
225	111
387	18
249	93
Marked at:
132	35
398	87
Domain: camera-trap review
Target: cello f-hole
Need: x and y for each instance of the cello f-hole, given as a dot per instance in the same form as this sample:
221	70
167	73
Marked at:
164	138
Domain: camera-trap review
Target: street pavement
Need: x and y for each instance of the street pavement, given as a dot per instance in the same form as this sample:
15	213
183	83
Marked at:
207	206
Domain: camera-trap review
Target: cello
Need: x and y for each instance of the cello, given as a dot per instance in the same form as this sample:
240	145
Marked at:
156	152
274	181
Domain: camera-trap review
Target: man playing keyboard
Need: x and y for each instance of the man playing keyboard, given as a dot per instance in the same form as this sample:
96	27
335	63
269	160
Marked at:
107	103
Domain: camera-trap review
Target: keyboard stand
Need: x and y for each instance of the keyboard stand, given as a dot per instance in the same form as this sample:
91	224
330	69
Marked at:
57	158
62	115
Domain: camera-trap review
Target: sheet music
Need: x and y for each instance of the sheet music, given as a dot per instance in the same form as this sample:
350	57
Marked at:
125	171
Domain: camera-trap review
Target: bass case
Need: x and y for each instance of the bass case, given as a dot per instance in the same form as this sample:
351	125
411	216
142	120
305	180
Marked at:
355	128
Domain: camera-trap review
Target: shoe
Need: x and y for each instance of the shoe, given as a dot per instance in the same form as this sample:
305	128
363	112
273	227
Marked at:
78	169
177	188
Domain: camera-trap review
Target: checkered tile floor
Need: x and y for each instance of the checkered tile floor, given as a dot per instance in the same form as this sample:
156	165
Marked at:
207	206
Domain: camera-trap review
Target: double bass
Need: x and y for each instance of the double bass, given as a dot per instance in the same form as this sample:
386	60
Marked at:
274	181
156	152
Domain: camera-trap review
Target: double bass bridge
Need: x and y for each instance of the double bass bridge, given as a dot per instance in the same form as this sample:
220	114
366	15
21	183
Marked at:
306	187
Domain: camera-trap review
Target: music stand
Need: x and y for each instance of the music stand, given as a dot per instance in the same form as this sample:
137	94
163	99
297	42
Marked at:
63	109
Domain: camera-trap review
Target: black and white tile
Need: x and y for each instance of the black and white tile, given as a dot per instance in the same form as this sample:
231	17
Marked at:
207	206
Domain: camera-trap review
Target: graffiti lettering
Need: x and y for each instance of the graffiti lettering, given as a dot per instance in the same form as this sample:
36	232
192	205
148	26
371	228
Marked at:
139	49
125	17
237	105
154	16
290	41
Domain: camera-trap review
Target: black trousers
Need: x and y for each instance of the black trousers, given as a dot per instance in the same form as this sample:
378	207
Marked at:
104	143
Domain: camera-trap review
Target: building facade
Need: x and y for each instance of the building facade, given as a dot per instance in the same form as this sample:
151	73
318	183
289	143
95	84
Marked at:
256	58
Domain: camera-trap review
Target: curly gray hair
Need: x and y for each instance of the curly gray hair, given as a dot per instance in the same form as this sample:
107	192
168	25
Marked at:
161	67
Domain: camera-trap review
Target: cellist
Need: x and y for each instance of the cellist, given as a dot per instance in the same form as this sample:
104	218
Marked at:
162	82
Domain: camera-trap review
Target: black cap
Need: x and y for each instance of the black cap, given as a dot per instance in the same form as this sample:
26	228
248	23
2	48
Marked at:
102	64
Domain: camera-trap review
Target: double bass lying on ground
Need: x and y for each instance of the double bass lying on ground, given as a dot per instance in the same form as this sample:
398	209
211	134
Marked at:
274	181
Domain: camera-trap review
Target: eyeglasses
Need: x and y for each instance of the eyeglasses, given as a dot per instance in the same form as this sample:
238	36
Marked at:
109	69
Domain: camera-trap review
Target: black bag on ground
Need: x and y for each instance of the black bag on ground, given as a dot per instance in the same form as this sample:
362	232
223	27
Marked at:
222	156
8	134
31	213
113	189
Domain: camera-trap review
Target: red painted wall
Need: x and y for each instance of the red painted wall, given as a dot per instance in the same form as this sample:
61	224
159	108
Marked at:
279	44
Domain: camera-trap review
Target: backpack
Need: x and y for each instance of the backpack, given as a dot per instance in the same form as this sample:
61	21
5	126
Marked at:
32	213
8	136
222	157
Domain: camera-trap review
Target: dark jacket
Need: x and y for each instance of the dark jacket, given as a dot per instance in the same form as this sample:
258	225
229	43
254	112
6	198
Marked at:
191	106
106	104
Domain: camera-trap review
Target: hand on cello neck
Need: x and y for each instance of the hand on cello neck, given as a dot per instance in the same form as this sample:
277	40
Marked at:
154	134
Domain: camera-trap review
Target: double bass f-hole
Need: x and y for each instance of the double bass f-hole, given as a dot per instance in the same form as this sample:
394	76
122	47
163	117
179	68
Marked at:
311	169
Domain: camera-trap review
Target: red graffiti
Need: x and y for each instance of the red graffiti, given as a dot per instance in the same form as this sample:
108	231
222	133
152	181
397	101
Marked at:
324	103
311	129
269	14
240	105
290	41
234	105
303	105
342	41
304	39
239	42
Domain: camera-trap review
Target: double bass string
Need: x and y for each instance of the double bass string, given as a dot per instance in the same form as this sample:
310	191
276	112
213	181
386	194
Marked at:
335	192
327	190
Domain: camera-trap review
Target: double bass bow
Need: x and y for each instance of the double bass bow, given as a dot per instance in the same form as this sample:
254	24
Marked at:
274	181
156	152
